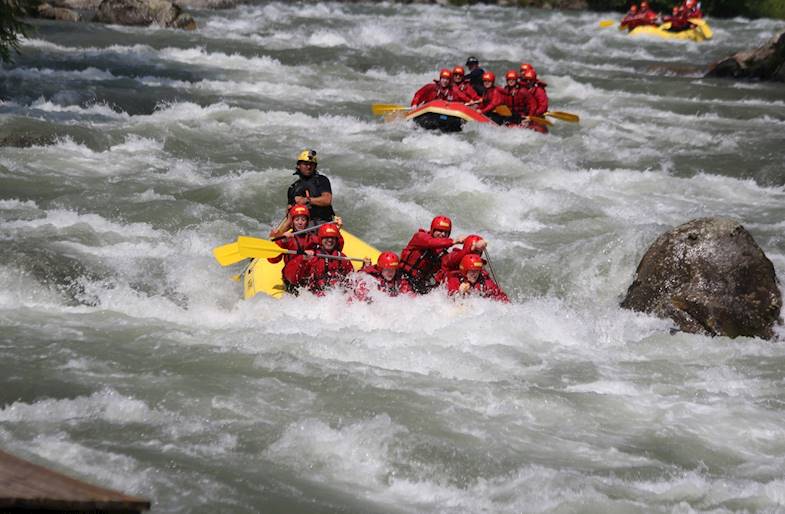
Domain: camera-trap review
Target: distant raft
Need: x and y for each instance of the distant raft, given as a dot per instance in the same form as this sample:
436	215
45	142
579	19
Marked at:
700	31
445	116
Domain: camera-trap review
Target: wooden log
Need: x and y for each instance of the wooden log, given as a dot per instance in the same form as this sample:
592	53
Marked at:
25	486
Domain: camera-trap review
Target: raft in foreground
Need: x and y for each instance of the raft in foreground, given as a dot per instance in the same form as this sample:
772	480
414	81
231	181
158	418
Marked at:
262	276
28	487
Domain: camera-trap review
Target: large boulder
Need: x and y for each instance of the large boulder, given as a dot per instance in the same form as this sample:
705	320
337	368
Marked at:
764	63
49	12
144	12
710	277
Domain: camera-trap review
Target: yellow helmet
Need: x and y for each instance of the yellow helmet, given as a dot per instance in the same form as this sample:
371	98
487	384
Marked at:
307	156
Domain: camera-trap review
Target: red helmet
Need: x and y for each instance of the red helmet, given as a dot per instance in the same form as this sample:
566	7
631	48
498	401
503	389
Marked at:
511	75
441	223
299	210
530	74
526	66
468	241
458	70
471	262
644	4
633	8
328	230
488	76
445	74
388	260
689	4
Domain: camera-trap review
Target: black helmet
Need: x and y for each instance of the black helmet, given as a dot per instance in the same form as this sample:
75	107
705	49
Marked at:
472	60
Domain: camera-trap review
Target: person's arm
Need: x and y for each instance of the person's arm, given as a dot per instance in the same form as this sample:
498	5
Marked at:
323	200
423	240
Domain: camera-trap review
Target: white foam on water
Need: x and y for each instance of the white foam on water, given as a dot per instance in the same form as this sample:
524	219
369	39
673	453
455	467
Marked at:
107	405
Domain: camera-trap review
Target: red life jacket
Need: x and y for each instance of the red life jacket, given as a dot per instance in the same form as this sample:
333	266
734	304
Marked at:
398	285
421	259
431	92
540	97
523	103
323	273
463	92
484	286
493	98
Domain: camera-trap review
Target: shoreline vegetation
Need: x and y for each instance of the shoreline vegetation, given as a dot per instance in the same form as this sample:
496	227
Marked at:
170	14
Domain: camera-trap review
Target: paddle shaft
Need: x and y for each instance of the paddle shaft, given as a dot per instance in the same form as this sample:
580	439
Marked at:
303	231
325	256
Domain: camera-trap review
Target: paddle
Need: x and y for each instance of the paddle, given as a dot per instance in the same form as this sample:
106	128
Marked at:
228	254
490	266
607	23
564	116
539	121
254	248
303	231
382	109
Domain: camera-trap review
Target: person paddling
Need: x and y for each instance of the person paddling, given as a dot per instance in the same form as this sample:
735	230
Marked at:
629	17
521	100
462	90
421	259
492	98
321	273
436	90
311	190
537	90
472	279
388	275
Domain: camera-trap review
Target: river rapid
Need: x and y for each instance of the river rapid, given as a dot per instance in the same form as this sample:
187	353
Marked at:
128	356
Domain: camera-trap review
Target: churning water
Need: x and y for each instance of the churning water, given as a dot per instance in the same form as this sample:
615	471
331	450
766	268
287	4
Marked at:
129	357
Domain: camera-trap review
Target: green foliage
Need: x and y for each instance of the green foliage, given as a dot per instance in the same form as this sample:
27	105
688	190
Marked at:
11	25
719	8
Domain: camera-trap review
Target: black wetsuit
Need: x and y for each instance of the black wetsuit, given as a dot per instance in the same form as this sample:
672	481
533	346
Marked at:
475	77
315	185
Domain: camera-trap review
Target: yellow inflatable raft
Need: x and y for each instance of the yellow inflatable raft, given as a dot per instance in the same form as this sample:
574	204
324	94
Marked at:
700	31
262	276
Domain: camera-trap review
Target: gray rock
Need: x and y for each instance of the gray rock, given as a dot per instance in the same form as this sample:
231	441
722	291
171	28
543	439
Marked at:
49	12
144	13
710	277
764	63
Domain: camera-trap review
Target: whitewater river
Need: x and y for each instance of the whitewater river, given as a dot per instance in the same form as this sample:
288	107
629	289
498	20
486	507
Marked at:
127	355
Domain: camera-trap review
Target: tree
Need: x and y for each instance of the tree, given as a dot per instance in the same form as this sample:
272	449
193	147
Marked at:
12	26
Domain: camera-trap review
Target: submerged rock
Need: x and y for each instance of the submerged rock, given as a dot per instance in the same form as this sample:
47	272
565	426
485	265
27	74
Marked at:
144	12
764	63
27	140
710	277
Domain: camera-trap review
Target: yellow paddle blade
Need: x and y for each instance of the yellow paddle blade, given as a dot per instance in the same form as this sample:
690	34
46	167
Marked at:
701	23
382	109
607	23
228	254
503	110
666	25
539	121
255	248
564	116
